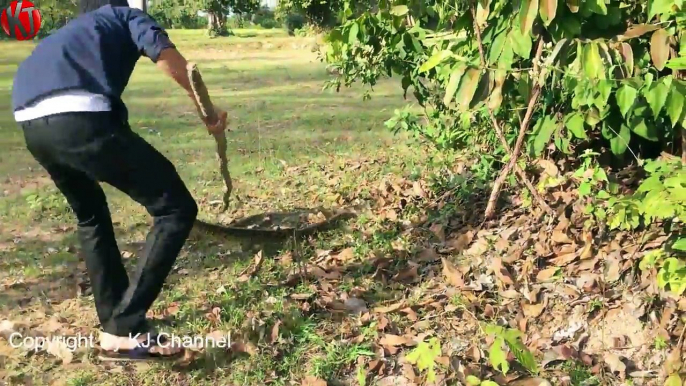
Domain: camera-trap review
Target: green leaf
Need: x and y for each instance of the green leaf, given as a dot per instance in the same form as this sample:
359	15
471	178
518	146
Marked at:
596	6
548	10
468	85
675	105
626	97
619	142
528	10
453	83
352	33
603	90
496	47
435	60
592	62
483	90
658	7
473	381
592	117
659	48
657	97
680	245
496	97
677	63
673	380
573	5
574	122
400	10
497	356
638	125
543	136
522	353
521	44
506	58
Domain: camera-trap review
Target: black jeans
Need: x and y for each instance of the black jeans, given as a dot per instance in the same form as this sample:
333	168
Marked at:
79	150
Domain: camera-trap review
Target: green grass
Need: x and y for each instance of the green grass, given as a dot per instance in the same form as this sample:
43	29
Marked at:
292	145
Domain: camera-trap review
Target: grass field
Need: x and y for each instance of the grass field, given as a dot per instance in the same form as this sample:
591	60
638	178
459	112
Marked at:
292	145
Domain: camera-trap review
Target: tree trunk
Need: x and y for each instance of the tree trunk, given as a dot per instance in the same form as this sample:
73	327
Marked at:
216	22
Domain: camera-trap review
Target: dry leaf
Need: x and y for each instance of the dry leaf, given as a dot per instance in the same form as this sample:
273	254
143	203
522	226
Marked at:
345	255
244	347
461	242
410	314
673	362
478	248
394	340
501	272
533	310
612	268
564	259
546	274
615	363
558	353
438	230
398	380
390	308
561	237
452	275
529	382
407	275
245	276
313	381
427	255
59	349
275	331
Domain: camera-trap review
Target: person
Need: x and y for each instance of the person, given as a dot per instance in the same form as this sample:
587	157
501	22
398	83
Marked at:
66	98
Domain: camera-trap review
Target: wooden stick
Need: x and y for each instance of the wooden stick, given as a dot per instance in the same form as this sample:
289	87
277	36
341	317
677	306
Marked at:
499	132
206	110
493	199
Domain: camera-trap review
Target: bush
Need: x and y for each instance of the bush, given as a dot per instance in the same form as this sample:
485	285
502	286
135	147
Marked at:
269	23
294	21
265	18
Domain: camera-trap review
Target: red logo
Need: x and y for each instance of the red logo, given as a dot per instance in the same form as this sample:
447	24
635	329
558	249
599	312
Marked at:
21	20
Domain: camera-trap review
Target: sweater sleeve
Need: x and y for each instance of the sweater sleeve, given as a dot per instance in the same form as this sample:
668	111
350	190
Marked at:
148	36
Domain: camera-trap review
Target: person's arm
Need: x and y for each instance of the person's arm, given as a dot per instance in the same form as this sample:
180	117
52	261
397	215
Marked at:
173	64
153	42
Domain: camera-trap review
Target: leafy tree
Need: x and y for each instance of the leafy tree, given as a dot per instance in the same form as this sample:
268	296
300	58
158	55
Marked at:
322	13
533	76
217	10
177	14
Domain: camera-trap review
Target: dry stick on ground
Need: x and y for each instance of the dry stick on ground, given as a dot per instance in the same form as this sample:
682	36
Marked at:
522	175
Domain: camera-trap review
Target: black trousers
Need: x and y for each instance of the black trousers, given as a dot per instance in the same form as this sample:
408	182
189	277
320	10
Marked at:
79	150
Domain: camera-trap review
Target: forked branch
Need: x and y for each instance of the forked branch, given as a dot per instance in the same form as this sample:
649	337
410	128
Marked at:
490	209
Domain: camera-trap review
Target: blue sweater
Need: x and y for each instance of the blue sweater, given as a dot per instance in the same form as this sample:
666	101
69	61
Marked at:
96	52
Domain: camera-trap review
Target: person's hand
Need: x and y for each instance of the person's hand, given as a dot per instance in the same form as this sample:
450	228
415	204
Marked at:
218	126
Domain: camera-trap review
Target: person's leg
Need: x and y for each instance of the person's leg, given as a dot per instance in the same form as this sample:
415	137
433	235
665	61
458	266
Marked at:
127	162
108	276
107	150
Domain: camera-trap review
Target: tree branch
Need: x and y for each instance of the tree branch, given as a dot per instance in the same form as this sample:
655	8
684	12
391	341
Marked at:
499	132
514	156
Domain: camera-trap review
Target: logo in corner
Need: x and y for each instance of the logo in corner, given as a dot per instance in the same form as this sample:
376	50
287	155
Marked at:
21	20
